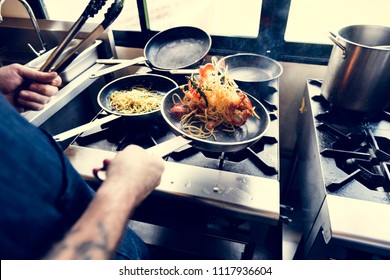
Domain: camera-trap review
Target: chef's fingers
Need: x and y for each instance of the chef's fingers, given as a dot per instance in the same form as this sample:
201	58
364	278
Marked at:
41	77
43	89
31	100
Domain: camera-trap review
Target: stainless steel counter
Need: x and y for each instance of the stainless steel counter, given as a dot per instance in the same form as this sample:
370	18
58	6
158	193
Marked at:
359	223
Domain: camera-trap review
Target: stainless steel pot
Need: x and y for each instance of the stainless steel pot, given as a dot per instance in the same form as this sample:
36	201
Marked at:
358	73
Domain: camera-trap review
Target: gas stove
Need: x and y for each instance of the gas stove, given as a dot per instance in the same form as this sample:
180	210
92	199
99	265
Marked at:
344	179
235	195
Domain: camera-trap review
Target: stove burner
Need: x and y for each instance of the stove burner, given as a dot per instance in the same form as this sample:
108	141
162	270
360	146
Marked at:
363	157
252	153
334	114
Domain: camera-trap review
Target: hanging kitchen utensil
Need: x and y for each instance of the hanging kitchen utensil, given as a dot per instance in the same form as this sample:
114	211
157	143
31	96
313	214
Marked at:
358	72
175	48
152	82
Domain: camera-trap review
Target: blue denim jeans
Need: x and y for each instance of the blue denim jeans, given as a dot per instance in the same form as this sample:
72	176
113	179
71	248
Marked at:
132	247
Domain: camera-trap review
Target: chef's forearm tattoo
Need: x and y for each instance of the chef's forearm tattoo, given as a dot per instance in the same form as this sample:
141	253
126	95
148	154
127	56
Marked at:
87	249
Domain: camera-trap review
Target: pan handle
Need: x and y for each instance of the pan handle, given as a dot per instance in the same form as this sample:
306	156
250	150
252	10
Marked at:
160	150
120	65
126	61
112	61
167	147
333	37
184	71
77	130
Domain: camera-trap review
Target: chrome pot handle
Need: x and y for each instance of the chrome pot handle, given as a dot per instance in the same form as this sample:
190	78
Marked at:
333	37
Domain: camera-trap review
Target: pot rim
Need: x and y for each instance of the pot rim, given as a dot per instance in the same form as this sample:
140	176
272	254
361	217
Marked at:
373	26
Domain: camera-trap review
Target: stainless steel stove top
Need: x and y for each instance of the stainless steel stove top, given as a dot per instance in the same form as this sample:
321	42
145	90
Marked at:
343	178
242	187
259	163
354	149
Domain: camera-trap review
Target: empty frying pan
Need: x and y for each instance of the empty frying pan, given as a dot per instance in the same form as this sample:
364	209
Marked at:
175	48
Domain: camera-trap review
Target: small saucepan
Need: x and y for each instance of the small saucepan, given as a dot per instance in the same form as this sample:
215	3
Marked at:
250	71
152	82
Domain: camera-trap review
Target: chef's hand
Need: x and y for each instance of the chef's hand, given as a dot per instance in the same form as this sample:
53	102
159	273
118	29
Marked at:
133	173
41	86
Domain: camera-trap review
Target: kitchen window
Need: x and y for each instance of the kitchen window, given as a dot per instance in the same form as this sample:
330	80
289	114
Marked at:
218	17
70	10
287	30
310	21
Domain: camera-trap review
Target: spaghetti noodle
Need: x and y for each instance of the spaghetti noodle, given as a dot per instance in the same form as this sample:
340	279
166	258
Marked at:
137	100
211	102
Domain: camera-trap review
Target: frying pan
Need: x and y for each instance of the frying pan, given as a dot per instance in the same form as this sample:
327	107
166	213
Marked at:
152	82
174	48
250	71
243	137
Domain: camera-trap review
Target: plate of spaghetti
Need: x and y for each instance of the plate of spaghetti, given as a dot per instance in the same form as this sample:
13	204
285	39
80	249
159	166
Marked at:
212	111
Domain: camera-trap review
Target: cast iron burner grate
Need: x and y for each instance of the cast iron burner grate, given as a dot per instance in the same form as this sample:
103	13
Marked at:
339	115
362	156
252	153
222	160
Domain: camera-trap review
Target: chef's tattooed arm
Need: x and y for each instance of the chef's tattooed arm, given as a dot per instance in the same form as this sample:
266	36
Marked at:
131	176
97	233
87	249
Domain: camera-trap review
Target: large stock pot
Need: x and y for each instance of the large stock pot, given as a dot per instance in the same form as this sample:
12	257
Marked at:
358	73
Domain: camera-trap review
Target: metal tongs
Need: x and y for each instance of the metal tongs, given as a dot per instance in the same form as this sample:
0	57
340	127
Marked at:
94	6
